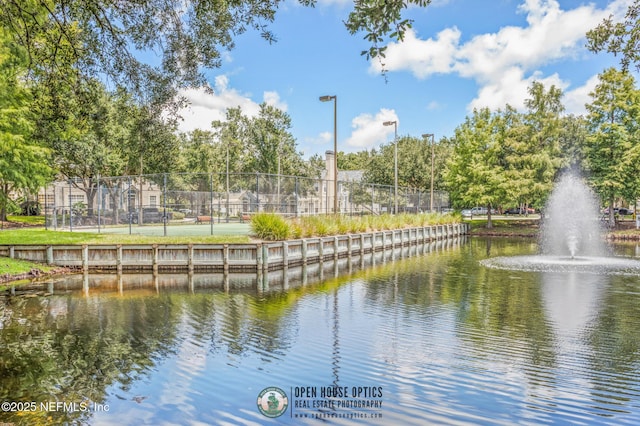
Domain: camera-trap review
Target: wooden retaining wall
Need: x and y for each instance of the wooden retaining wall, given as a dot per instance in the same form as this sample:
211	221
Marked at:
227	257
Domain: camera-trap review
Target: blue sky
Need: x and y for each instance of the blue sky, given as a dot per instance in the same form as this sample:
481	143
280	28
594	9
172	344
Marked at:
459	55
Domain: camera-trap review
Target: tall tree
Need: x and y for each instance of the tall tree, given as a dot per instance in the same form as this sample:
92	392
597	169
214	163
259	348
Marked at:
573	135
475	170
94	142
24	164
543	121
612	149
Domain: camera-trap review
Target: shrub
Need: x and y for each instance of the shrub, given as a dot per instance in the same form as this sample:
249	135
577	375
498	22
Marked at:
270	227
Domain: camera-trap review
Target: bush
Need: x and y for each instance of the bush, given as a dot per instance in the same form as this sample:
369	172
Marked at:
269	226
30	208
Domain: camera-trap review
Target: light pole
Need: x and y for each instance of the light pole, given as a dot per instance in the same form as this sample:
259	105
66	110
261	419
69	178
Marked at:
426	135
395	163
334	98
227	178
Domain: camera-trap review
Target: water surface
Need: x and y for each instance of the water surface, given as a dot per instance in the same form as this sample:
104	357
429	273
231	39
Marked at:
433	338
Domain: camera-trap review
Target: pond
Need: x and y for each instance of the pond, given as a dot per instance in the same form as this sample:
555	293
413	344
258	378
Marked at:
428	337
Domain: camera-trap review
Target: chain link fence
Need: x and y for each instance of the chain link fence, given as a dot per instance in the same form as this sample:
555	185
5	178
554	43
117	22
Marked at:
183	198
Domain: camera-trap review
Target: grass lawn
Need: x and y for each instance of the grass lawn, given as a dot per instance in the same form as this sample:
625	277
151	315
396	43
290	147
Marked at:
521	227
11	268
43	236
17	266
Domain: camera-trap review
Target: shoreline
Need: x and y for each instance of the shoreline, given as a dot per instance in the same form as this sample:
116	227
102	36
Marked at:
528	229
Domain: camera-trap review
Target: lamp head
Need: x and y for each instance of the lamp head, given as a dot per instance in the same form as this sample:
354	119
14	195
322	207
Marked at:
327	98
389	123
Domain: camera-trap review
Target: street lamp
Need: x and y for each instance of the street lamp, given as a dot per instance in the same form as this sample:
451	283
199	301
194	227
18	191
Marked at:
426	135
334	98
395	163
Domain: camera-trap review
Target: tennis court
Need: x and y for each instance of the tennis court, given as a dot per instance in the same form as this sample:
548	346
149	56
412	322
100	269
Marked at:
187	229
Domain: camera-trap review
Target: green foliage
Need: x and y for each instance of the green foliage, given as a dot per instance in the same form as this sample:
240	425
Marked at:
620	38
379	20
414	163
272	227
24	164
612	148
475	170
354	160
261	144
269	226
90	38
532	153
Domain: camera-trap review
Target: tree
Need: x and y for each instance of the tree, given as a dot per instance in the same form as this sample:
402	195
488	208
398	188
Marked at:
379	19
619	38
414	164
542	157
354	160
94	142
572	139
612	149
90	38
24	164
475	170
258	144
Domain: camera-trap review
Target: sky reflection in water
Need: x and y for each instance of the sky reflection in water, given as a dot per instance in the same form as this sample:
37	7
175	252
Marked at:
446	339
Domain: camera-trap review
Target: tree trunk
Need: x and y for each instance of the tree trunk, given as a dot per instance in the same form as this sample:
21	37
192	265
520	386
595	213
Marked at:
3	202
612	215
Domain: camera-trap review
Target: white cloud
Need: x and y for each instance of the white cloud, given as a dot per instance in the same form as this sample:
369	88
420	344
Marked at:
368	130
422	57
503	63
512	89
206	106
273	99
575	99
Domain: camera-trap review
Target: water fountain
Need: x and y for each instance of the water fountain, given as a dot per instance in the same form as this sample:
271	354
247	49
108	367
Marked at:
571	236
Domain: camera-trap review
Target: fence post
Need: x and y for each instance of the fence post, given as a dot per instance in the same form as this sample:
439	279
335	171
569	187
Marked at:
211	205
129	212
70	209
296	195
258	191
99	201
164	203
